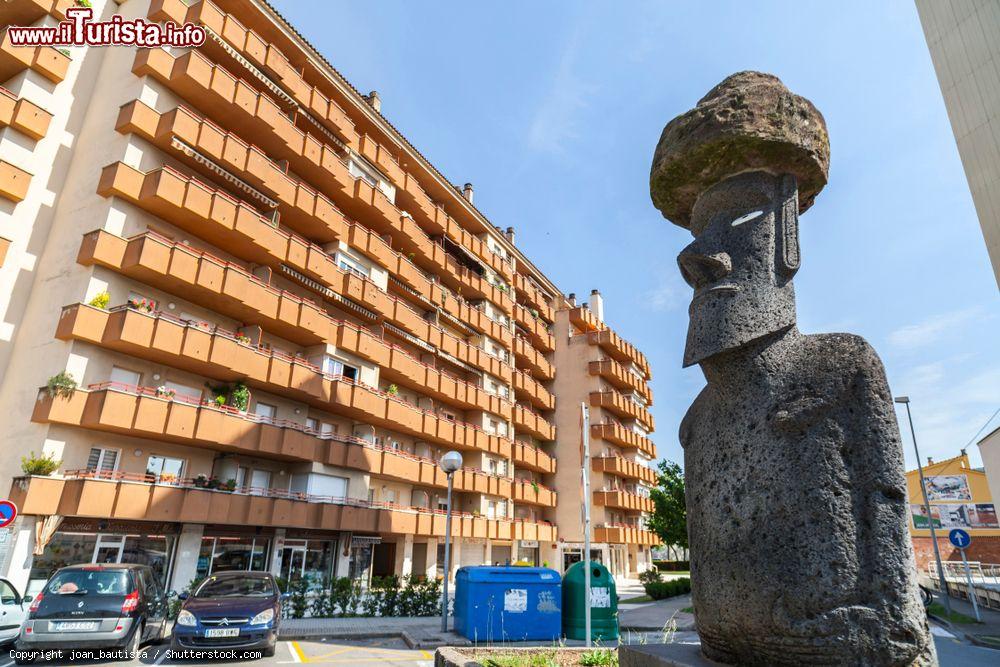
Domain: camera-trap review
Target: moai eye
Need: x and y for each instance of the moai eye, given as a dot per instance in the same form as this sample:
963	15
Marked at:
747	218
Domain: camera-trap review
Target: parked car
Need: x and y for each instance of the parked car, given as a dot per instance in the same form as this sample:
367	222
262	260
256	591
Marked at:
95	606
12	612
230	610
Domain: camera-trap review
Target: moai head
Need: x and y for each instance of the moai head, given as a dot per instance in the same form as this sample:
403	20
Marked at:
736	170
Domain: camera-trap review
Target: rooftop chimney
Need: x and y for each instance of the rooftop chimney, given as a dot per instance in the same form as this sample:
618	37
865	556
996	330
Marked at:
572	299
597	304
930	460
467	191
374	100
510	235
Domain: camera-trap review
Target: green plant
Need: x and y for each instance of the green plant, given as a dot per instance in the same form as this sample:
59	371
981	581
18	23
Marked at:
541	658
163	391
600	657
659	590
229	486
39	464
534	485
669	518
392	390
174	607
83	3
220	400
100	300
239	397
649	576
298	601
61	384
142	305
345	596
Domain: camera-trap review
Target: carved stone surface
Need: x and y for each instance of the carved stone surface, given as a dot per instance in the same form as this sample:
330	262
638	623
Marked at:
796	495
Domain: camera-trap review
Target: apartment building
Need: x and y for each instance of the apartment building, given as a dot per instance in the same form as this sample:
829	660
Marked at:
247	317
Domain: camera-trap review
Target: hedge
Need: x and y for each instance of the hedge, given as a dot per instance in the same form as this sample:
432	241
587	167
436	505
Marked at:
658	590
672	565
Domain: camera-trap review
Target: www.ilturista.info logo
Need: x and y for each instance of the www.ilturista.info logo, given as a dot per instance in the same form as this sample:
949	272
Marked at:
78	29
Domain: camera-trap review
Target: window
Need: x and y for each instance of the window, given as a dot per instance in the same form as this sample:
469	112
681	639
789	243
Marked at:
260	481
7	594
183	390
164	469
333	366
359	169
242	476
219	554
351	265
102	461
265	410
328	485
312	424
124	376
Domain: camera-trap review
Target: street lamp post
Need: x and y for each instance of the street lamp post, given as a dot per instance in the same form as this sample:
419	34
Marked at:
905	400
449	463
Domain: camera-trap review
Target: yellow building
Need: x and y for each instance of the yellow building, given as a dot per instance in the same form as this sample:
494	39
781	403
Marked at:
959	497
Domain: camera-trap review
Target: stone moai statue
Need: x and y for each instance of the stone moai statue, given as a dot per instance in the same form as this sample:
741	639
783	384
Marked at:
796	496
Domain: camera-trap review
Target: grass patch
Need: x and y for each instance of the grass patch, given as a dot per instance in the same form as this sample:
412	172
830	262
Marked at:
938	610
641	598
600	657
540	659
688	610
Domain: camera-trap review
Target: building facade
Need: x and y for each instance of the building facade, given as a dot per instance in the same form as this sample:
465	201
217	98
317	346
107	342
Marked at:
959	496
964	41
247	317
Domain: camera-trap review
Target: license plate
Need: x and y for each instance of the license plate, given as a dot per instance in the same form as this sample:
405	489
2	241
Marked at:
222	632
76	626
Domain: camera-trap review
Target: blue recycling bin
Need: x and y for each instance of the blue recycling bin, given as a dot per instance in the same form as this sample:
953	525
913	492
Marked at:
494	604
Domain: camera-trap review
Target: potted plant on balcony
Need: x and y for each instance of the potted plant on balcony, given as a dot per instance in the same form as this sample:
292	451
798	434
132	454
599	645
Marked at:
239	397
201	481
142	305
163	391
392	390
229	486
39	464
61	384
100	300
242	338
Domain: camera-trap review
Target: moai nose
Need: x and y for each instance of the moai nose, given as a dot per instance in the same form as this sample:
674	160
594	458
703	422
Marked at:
700	269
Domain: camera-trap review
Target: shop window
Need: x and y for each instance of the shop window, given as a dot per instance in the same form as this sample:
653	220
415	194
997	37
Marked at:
103	461
221	554
165	469
312	560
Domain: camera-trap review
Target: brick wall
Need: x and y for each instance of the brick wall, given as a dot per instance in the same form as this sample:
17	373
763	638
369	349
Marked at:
983	549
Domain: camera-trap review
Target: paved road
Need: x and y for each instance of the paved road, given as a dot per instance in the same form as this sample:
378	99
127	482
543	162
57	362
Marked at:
951	653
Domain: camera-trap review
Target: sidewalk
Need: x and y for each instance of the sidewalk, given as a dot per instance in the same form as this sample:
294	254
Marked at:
986	633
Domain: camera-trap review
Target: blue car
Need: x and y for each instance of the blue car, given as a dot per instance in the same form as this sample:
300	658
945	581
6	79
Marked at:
230	611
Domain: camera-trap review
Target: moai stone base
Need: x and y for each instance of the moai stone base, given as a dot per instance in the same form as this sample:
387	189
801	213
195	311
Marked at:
796	496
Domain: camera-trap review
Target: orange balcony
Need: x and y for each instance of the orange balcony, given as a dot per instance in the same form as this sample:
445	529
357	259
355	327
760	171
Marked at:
623	437
532	458
47	61
623	500
624	408
584	319
526	388
22	115
526	421
14	182
4	247
534	298
260	54
625	535
124	497
528	357
532	493
144	412
220	354
27	12
622	467
619	349
621	378
537	331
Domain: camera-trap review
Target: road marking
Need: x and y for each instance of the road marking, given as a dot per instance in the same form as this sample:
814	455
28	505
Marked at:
296	651
163	656
6	664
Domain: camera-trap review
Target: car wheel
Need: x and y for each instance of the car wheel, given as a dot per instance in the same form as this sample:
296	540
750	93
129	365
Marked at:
132	643
24	657
268	652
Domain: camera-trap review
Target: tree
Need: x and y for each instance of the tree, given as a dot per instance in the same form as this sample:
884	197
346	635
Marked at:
669	519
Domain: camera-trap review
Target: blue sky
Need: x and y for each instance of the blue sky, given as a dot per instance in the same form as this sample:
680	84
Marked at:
552	111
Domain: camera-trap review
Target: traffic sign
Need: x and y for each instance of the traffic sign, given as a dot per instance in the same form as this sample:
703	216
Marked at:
959	538
8	512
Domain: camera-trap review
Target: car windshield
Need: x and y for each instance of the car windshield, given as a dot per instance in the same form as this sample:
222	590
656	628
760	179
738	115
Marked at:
90	582
235	587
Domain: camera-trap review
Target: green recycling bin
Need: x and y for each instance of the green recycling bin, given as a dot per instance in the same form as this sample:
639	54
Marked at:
603	603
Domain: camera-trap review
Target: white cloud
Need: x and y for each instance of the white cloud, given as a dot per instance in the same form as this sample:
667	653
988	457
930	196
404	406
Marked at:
933	328
555	120
669	293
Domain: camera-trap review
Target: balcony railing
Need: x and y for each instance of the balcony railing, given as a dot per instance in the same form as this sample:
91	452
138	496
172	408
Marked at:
49	62
619	349
533	493
230	289
527	388
532	458
622	467
622	407
625	534
537	331
22	115
531	358
126	497
14	182
621	499
528	421
623	437
621	378
27	12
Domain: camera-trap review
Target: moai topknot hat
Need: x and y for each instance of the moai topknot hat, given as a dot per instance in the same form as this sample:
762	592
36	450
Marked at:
749	122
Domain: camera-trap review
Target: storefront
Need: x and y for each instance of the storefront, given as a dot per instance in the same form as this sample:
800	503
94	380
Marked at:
529	553
94	541
310	557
